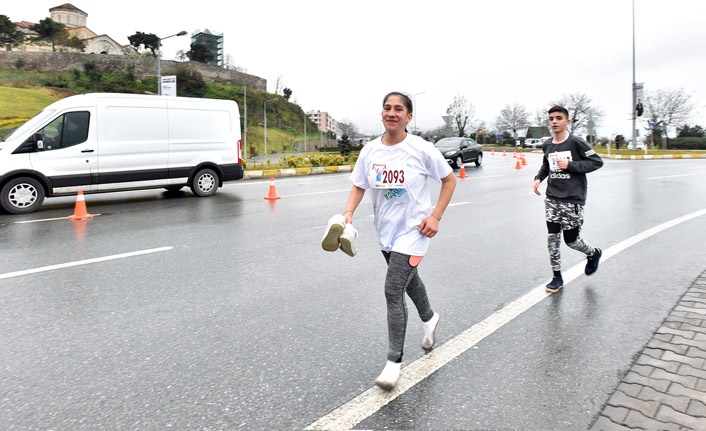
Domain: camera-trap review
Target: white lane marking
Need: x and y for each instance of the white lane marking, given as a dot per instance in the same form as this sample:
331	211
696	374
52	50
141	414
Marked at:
317	193
364	405
456	204
46	219
482	178
671	176
82	262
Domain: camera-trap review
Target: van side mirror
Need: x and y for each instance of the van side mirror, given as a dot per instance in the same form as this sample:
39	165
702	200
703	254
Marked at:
38	141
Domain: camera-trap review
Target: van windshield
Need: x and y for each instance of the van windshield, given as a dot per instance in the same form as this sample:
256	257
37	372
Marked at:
30	124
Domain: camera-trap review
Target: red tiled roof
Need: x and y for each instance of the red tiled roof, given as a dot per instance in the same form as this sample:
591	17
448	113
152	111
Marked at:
23	24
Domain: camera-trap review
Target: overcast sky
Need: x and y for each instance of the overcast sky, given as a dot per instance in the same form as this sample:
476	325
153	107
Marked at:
343	57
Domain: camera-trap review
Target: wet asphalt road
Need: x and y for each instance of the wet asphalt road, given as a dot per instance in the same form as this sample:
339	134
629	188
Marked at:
245	323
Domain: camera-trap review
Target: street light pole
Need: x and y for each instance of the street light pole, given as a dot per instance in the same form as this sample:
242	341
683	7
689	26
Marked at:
634	84
245	126
159	57
305	132
416	107
270	100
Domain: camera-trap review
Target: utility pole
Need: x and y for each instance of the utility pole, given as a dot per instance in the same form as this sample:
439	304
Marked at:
245	126
634	84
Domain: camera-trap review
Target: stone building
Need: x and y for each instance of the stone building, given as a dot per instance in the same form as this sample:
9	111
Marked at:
75	20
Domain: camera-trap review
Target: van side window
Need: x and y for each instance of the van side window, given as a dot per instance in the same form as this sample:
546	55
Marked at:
66	131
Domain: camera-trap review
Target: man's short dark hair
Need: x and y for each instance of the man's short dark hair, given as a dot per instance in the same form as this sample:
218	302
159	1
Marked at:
559	108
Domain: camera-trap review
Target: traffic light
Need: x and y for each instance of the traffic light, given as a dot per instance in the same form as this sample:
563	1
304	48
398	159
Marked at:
639	109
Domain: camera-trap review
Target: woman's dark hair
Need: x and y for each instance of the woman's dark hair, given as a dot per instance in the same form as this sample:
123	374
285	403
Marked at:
407	100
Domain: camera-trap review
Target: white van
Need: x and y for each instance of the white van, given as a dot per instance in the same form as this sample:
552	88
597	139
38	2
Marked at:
113	142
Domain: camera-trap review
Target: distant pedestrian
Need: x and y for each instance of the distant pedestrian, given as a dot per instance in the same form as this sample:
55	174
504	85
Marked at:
396	168
567	160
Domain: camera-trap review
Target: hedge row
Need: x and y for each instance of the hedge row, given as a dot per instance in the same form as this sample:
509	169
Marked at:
686	144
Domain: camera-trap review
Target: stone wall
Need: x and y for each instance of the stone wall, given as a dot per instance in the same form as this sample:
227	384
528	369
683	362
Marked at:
144	66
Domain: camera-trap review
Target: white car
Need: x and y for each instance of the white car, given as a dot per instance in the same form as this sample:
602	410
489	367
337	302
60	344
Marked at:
533	143
640	146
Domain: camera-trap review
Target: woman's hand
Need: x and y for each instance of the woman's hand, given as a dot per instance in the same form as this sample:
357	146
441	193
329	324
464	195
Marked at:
429	226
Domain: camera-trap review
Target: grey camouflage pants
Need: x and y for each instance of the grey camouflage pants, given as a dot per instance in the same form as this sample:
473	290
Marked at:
567	218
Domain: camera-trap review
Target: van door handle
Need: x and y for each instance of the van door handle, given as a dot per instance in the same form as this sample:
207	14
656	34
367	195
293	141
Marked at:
86	151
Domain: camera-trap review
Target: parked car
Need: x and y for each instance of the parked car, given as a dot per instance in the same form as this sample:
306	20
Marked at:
640	146
458	151
533	143
113	142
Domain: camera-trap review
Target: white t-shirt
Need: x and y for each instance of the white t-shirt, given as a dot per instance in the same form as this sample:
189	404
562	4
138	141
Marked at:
398	178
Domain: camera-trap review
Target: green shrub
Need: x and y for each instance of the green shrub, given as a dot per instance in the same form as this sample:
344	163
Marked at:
19	63
685	144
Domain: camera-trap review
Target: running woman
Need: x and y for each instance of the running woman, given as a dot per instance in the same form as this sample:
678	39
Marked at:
567	160
396	168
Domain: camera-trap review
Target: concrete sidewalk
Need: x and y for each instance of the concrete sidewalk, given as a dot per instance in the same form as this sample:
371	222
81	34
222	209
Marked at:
665	389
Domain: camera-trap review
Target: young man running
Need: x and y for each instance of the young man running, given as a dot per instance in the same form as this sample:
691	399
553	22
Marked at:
567	160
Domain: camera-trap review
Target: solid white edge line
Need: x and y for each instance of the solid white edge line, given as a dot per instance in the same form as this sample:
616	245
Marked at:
47	219
82	262
364	405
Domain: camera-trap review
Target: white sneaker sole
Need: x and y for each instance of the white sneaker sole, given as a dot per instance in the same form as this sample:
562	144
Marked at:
347	240
334	229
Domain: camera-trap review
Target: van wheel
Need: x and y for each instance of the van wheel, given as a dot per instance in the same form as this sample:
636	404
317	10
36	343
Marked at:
205	183
22	195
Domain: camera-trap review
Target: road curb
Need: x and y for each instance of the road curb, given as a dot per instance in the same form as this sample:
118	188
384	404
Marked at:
666	386
291	172
653	156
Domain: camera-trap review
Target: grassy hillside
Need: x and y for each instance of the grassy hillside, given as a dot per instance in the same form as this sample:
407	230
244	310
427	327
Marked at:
18	105
23	93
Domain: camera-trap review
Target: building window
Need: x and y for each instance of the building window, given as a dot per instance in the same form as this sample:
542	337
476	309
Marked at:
58	18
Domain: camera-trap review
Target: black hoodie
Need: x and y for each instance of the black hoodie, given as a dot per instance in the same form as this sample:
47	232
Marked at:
569	185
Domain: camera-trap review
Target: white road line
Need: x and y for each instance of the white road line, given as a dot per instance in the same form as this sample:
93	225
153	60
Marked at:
671	176
82	262
457	204
317	193
46	219
482	178
350	414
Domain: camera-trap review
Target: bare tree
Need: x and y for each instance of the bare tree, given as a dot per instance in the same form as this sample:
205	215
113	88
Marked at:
513	118
181	55
579	105
346	127
541	117
279	84
229	64
461	111
668	108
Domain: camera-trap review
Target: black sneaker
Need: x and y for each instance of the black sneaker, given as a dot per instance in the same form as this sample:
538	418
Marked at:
556	284
592	264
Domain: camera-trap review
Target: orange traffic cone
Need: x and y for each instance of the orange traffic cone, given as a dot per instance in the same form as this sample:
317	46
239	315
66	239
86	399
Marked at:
504	153
518	165
80	212
272	194
462	174
492	151
524	161
514	154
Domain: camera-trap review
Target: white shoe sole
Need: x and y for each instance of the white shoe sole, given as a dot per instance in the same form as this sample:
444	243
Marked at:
428	342
334	229
347	240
